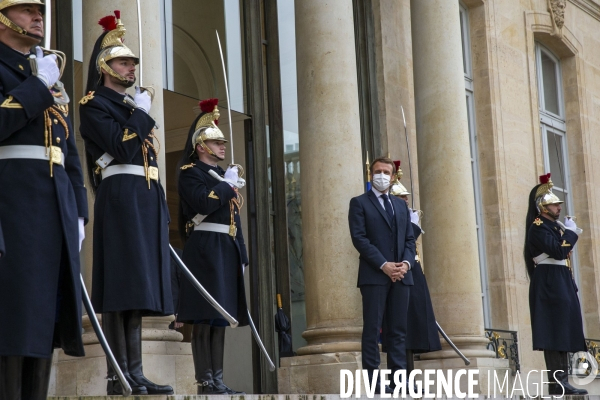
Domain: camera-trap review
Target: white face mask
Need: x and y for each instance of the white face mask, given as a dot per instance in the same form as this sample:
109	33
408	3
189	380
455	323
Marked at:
381	182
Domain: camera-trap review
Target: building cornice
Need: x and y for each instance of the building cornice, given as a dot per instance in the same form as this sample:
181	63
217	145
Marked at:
592	7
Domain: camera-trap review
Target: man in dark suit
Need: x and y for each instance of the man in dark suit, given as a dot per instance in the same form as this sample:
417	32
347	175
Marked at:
381	231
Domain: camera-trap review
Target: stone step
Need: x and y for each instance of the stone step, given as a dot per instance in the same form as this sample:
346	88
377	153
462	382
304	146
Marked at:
264	397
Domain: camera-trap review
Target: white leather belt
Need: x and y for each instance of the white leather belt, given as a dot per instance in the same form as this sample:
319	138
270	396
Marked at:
131	170
33	153
546	259
212	227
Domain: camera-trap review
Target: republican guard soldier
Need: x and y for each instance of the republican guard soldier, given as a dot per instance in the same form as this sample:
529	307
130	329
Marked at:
556	321
131	267
214	251
422	334
42	204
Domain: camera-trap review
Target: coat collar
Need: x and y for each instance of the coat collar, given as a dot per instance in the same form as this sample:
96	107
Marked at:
373	197
205	167
113	96
15	60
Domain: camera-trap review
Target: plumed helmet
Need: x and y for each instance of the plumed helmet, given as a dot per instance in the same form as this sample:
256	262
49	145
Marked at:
206	128
398	189
112	45
544	195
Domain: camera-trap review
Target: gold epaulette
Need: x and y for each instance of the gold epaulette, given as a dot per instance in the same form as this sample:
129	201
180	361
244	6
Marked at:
191	165
87	98
538	221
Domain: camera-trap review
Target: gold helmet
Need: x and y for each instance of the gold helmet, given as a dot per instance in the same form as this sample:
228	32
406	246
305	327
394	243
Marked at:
206	128
4	19
544	195
398	189
112	45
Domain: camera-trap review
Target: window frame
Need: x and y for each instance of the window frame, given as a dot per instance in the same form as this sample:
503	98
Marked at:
556	123
475	170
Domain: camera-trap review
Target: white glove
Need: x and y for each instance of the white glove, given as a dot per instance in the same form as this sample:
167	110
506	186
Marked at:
572	226
142	99
414	217
244	266
48	71
231	175
81	232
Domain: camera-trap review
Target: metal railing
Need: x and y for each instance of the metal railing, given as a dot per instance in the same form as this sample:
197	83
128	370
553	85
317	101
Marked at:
505	345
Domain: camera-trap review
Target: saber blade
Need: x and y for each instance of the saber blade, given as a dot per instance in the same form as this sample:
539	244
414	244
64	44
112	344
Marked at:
139	15
48	25
227	96
260	343
412	189
102	339
465	359
211	300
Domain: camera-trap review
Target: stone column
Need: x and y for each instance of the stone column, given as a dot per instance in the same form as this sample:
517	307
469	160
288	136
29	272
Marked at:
446	183
331	164
166	360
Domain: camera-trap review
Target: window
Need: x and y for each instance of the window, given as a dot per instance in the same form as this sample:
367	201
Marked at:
468	71
553	128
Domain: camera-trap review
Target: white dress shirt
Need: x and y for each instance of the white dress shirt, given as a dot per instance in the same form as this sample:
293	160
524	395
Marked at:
378	194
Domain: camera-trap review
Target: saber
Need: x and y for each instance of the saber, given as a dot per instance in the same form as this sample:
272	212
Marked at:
226	94
562	176
465	359
260	343
232	321
412	190
48	24
139	15
100	334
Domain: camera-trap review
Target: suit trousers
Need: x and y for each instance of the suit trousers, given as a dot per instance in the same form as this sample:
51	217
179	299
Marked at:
391	299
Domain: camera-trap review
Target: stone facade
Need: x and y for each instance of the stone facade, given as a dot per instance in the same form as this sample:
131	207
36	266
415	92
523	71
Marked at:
418	63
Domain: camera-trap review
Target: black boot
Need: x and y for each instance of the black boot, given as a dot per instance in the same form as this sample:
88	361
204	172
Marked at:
133	337
11	370
557	363
202	360
114	330
36	377
217	350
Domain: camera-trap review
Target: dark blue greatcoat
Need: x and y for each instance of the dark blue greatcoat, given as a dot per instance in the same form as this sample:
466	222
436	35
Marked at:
214	258
131	243
422	335
556	320
40	291
2	247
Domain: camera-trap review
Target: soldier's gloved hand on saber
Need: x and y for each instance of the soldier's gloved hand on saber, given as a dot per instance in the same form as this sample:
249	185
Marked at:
414	217
231	175
47	69
81	232
572	226
142	99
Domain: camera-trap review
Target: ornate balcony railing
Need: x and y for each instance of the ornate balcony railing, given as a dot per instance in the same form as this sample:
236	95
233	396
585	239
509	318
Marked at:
581	366
505	345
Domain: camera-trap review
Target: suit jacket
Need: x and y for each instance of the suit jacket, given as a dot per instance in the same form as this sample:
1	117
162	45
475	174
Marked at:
372	236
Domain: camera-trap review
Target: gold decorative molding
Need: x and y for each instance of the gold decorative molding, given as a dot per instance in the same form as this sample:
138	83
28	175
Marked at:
592	7
557	11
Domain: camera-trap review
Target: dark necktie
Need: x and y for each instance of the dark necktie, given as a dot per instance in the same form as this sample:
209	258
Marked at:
387	206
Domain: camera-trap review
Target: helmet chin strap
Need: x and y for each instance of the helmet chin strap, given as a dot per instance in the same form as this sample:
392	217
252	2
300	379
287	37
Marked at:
209	151
4	20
